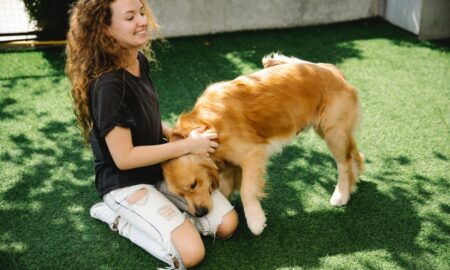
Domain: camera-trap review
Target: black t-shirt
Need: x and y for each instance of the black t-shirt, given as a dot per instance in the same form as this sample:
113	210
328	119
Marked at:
121	99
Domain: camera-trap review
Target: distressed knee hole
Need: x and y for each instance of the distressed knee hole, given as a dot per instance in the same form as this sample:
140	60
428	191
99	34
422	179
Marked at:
167	211
139	197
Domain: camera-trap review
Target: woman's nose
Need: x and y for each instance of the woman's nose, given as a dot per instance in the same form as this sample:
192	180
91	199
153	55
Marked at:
142	20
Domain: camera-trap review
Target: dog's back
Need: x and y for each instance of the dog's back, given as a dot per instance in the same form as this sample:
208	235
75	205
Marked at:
274	59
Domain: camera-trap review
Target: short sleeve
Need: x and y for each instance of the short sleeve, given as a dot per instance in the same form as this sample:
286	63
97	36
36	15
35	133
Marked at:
109	107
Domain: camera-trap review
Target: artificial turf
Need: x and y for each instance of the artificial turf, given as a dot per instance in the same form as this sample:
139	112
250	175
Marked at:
399	217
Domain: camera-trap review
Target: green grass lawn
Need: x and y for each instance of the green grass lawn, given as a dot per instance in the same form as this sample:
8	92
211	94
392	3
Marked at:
399	218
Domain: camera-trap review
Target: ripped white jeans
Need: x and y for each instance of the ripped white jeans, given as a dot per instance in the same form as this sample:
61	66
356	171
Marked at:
149	221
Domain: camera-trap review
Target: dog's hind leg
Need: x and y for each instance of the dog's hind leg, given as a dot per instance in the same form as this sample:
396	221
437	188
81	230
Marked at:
337	124
348	160
252	190
340	144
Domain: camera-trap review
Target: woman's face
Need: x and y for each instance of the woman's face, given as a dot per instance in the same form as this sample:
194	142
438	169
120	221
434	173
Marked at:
128	24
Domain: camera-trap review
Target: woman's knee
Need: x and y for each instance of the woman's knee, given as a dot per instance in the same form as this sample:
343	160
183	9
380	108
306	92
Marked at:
189	244
229	225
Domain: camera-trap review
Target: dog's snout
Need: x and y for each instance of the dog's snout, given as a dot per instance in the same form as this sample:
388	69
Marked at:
201	211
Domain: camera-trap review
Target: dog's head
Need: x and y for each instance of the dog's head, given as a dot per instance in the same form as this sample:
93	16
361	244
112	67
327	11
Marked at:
194	177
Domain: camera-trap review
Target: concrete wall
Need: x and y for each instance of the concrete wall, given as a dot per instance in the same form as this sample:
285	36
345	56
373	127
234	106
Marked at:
435	19
197	17
405	14
429	19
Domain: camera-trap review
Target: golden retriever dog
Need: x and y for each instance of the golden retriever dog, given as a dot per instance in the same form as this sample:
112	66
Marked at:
254	116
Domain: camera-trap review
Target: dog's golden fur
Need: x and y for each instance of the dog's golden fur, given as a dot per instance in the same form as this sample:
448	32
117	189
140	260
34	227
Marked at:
255	115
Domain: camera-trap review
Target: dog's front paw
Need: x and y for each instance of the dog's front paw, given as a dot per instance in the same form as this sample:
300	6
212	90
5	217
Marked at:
256	220
339	198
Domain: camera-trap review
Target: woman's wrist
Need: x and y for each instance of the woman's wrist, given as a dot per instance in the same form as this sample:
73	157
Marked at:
184	146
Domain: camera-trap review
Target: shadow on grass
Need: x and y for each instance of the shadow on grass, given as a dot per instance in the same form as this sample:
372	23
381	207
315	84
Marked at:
38	218
299	237
4	113
22	69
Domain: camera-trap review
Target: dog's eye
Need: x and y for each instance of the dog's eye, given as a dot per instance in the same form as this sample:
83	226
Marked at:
194	185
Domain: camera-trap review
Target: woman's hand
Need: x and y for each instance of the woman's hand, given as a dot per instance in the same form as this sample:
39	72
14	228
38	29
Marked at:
202	142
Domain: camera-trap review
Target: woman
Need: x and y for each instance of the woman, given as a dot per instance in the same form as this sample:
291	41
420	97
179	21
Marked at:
117	109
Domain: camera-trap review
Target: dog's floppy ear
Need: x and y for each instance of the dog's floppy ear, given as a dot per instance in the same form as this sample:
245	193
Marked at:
213	173
215	181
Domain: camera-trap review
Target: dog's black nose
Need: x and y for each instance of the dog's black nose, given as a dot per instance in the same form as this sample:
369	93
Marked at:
201	211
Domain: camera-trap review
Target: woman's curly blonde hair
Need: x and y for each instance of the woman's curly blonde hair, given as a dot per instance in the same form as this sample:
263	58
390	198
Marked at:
91	52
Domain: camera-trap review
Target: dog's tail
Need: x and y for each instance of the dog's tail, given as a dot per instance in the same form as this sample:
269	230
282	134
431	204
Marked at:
274	59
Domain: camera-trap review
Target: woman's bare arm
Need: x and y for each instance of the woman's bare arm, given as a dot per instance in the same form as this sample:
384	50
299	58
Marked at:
126	156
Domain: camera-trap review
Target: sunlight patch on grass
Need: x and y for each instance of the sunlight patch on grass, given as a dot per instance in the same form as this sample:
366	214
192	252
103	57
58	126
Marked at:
290	212
75	208
76	217
58	221
383	259
13	247
35	207
46	186
240	64
25	206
